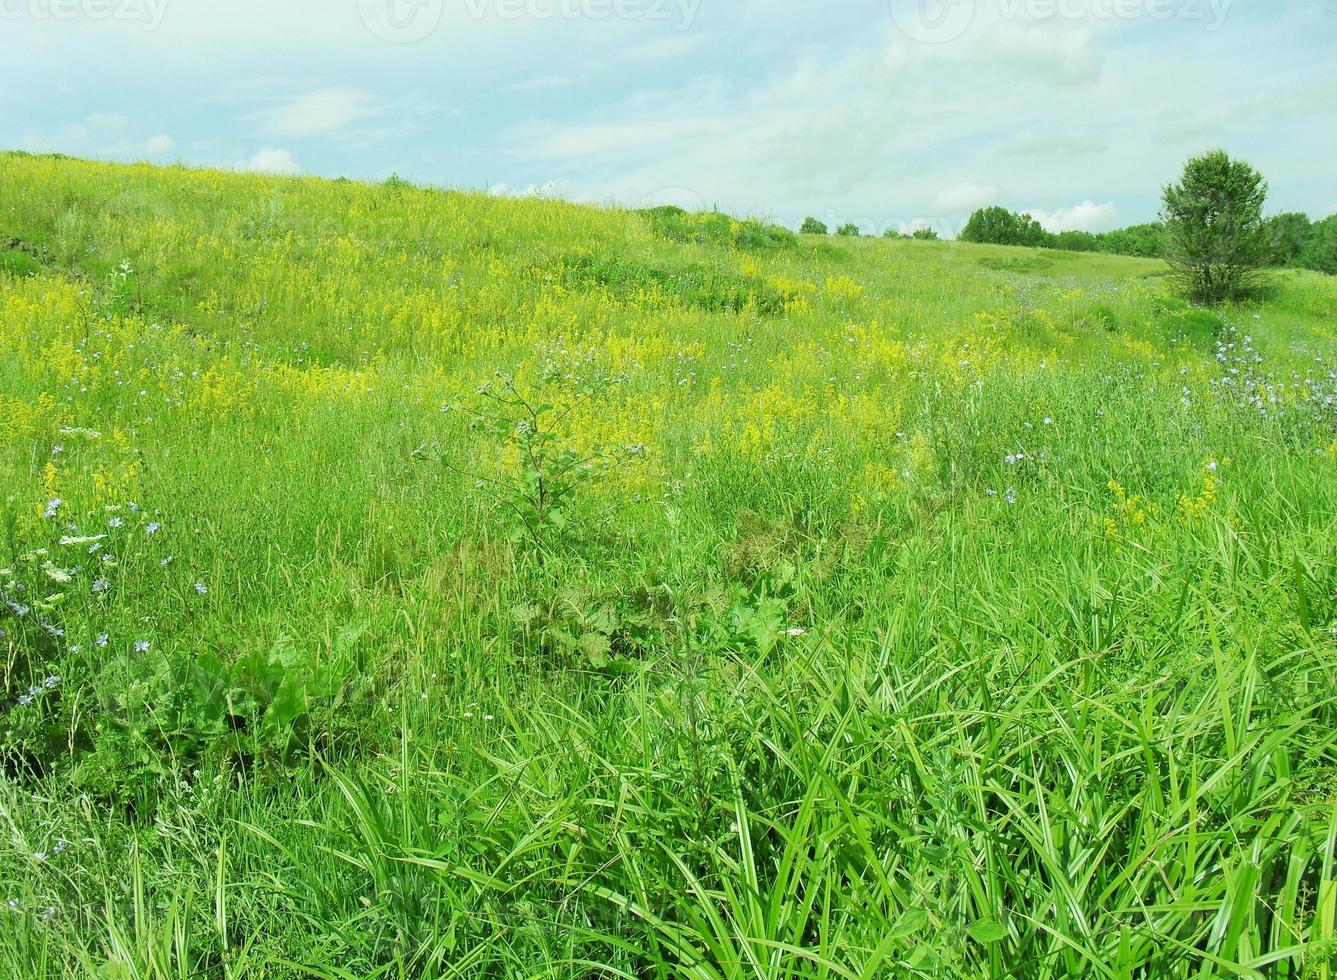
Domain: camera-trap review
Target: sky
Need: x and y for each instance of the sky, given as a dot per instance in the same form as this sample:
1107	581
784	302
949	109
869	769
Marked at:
885	113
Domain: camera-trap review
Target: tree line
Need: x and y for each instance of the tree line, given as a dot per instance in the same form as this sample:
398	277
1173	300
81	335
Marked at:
1291	240
1211	230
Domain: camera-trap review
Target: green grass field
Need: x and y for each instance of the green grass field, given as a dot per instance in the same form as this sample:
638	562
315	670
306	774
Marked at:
800	608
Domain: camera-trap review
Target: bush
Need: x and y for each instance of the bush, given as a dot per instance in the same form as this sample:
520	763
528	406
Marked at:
713	228
850	230
811	226
1216	241
925	235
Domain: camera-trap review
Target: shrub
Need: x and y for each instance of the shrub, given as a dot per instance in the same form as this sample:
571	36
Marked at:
549	470
714	228
811	226
925	235
1214	221
850	230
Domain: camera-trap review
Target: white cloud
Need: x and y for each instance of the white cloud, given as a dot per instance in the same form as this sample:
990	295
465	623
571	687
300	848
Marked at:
1061	55
273	161
668	48
965	196
106	120
1065	143
542	83
1087	216
583	141
316	113
158	145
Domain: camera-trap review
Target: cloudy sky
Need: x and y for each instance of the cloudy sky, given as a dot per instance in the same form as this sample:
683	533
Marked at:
882	112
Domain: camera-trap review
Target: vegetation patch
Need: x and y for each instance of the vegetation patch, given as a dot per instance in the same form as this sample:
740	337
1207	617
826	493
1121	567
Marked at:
700	286
713	228
1017	263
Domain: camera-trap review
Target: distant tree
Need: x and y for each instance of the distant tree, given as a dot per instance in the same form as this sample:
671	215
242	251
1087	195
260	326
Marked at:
892	233
1077	241
850	230
999	226
1287	237
1214	225
1321	252
1146	241
991	226
925	234
1034	234
811	226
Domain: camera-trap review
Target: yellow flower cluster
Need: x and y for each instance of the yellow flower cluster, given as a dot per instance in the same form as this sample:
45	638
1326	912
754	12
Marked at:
1130	513
842	289
1197	506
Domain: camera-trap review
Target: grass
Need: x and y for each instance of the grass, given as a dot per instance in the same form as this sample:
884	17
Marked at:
961	611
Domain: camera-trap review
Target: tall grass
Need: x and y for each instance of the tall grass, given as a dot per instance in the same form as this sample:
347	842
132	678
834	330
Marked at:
966	614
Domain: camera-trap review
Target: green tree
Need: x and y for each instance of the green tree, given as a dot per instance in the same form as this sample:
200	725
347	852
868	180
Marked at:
925	234
811	226
1321	252
850	230
1287	237
991	226
999	226
1077	241
1146	241
1215	237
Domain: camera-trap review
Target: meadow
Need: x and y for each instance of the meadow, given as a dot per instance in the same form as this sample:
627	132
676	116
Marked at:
399	582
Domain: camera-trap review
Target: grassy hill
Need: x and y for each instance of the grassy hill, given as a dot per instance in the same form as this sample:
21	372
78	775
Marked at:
401	582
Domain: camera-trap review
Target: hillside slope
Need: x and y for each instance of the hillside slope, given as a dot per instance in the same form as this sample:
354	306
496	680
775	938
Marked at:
810	607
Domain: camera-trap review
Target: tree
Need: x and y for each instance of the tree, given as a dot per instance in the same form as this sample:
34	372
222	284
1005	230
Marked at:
925	234
1287	237
999	226
811	226
991	226
1321	252
850	230
1146	241
1077	241
1215	238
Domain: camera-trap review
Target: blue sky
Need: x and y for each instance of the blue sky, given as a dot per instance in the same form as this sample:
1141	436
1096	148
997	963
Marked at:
888	113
